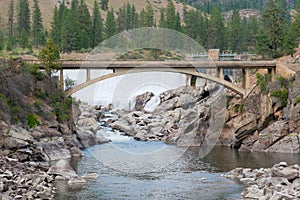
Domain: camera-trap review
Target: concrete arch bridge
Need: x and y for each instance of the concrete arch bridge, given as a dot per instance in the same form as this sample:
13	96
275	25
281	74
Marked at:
189	68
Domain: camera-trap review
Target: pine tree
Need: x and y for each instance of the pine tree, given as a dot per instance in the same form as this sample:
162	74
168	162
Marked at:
128	22
104	4
83	18
56	27
170	15
253	26
272	24
292	35
134	16
69	37
23	23
37	24
10	16
49	57
143	18
122	19
97	27
162	21
234	32
1	38
216	30
110	24
149	16
177	22
74	5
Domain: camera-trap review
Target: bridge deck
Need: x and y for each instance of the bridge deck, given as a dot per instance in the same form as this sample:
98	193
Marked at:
104	64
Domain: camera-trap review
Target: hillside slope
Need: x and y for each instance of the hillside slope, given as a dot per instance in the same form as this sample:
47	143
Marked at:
47	7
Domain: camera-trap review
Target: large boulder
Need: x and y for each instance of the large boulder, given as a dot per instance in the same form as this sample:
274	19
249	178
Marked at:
63	169
86	138
16	137
53	151
88	124
141	100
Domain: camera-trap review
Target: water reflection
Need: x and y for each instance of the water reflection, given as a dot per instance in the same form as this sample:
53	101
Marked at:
189	177
225	159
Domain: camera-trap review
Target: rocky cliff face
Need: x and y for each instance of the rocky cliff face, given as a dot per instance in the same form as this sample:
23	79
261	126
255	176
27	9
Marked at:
267	122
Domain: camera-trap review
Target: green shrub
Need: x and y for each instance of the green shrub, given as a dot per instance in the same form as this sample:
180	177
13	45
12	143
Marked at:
4	98
297	100
32	120
238	108
282	81
62	107
38	103
34	70
41	95
262	81
282	95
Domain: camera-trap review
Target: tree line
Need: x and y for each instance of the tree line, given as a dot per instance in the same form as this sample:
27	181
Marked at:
74	28
227	5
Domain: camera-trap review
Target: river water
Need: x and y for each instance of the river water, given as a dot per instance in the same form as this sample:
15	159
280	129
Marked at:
187	177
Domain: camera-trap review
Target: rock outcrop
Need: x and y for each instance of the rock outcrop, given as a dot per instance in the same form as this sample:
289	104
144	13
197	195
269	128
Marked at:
37	127
87	126
279	182
267	122
182	118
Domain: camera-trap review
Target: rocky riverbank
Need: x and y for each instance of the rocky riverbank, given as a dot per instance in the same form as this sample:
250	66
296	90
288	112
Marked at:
182	117
40	130
26	155
279	182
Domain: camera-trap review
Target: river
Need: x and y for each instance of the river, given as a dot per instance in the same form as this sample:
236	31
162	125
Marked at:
188	177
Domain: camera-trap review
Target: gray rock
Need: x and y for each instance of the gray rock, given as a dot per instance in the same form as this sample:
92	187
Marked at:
102	140
86	138
88	124
287	172
90	176
14	143
235	173
53	151
62	168
141	100
283	164
76	182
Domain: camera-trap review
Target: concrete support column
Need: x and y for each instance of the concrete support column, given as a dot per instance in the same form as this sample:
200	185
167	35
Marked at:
246	78
220	73
88	74
61	79
188	80
193	81
272	72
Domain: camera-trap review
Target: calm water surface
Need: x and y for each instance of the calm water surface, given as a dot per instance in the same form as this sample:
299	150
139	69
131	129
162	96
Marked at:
189	177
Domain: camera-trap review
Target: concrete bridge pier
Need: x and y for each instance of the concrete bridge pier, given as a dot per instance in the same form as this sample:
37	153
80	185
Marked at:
246	78
220	73
61	79
88	75
191	80
272	72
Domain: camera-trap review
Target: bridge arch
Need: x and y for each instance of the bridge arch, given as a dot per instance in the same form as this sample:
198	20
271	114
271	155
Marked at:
239	90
